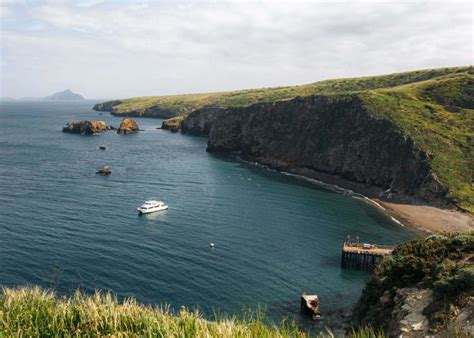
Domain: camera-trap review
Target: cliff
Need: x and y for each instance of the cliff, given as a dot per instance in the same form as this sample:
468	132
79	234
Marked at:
410	147
333	135
425	288
174	105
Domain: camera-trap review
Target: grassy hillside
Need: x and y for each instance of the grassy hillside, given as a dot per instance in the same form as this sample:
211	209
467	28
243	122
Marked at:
439	115
183	104
443	264
33	312
435	107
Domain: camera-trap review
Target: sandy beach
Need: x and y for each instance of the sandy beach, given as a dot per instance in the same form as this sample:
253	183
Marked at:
429	219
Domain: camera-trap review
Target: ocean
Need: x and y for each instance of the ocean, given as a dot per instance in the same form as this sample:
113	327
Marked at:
64	227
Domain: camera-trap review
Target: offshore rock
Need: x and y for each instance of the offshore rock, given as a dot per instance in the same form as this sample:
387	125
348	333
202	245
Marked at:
127	126
310	305
92	127
172	124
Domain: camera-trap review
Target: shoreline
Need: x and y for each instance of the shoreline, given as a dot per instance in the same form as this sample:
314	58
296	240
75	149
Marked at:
421	218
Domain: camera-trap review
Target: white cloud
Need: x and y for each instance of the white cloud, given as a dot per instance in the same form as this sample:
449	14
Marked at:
111	49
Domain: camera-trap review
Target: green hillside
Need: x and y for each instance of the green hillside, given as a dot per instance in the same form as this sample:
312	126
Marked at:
435	107
439	115
183	104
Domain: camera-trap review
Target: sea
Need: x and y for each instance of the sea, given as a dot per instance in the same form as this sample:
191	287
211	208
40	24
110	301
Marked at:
63	227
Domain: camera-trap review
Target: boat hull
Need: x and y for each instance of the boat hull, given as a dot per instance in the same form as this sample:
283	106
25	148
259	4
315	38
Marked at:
149	211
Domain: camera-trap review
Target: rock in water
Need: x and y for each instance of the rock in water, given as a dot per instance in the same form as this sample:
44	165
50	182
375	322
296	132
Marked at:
310	305
92	127
105	170
127	126
102	147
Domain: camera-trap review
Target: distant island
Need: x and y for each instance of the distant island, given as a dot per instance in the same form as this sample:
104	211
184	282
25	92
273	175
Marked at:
66	95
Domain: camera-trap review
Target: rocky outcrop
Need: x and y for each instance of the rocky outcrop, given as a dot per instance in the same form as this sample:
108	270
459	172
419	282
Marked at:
106	106
407	316
330	135
200	121
172	124
93	127
127	126
310	306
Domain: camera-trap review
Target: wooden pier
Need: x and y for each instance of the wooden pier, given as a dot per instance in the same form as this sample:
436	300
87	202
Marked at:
363	256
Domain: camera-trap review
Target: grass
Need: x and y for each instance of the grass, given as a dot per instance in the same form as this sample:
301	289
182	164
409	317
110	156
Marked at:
432	113
34	312
440	262
184	104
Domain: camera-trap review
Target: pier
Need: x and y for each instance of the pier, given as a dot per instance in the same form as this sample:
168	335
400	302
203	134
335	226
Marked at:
363	256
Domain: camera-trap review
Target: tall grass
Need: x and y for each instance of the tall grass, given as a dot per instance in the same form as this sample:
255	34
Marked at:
34	312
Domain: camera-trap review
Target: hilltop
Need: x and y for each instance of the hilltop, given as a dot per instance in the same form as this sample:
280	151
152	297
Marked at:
175	105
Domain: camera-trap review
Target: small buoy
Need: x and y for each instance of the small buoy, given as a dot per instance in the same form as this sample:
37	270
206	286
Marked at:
211	245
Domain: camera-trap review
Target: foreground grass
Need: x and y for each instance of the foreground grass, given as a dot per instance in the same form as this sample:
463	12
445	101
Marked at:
34	312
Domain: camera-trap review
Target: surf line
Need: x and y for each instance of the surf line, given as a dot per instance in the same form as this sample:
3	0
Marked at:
331	187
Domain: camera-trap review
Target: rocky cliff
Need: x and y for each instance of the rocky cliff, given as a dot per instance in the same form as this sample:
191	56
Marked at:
332	135
200	121
426	288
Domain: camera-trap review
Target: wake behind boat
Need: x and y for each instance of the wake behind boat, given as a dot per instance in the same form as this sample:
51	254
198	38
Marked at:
152	206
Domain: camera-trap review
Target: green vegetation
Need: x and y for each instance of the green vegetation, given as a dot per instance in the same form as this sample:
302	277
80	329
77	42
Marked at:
435	107
442	263
184	104
444	132
33	312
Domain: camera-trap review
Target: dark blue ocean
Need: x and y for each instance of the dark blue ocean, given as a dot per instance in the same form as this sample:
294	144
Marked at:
64	227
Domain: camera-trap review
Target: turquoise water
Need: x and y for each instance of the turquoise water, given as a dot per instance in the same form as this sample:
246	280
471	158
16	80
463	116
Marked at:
63	226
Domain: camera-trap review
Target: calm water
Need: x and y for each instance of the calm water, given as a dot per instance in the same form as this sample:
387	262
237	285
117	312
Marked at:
65	227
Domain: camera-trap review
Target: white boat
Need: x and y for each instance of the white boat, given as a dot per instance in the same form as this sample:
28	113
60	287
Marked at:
151	206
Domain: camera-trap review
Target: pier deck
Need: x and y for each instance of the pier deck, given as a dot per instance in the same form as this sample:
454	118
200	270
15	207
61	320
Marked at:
363	256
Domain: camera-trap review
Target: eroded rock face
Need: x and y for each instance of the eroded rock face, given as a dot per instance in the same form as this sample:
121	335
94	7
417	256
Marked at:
199	122
173	124
127	126
407	316
86	127
332	135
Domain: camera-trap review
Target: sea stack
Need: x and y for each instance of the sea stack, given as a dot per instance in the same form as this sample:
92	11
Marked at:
128	126
92	127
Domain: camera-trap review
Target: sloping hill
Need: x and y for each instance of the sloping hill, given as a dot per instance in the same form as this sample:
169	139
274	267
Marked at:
438	114
174	105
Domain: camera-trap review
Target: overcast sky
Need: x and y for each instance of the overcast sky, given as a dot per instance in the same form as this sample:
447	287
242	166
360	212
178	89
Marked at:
105	49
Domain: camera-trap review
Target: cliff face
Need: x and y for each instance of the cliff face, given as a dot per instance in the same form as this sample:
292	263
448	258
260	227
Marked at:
200	121
332	135
426	288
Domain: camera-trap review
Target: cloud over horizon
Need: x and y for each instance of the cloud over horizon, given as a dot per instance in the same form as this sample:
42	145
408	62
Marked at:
120	49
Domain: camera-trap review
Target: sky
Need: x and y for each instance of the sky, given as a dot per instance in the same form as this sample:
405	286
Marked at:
118	49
